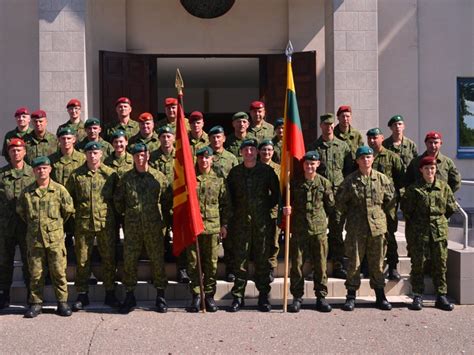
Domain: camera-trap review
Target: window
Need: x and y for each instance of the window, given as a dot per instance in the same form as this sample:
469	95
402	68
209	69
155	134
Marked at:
465	103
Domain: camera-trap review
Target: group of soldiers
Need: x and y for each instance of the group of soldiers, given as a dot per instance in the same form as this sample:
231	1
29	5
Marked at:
89	180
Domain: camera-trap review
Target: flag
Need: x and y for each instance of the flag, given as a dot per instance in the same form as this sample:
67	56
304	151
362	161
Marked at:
187	219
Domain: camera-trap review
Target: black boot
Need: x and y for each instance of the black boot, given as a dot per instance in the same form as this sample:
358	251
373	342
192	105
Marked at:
322	305
417	304
161	306
211	305
381	301
295	306
63	309
33	311
4	298
129	303
393	274
349	305
81	302
195	305
230	276
111	300
183	277
263	303
237	304
443	303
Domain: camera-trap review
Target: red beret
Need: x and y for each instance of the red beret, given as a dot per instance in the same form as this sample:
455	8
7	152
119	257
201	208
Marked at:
38	114
195	115
428	160
170	101
123	100
145	116
344	108
16	142
22	111
73	103
433	135
255	105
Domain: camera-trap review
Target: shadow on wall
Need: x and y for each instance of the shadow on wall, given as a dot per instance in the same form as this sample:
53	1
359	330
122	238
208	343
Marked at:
50	10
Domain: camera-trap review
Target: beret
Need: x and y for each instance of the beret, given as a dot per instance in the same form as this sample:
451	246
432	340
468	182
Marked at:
255	105
279	122
73	103
311	155
265	142
43	160
38	114
119	133
373	132
16	142
326	118
195	116
205	151
169	101
138	148
427	160
22	111
249	143
165	129
93	121
92	146
67	131
344	108
433	135
123	100
240	116
396	118
364	150
145	116
216	130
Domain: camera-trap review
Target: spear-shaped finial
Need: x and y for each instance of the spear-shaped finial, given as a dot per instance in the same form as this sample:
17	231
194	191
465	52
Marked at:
178	82
289	51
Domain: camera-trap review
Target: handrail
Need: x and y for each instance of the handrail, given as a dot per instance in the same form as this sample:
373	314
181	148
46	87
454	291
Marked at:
465	215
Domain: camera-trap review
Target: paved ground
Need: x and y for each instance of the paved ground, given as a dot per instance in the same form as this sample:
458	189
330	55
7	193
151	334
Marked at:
144	331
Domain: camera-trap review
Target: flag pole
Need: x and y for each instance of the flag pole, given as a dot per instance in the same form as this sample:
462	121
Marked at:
179	84
287	235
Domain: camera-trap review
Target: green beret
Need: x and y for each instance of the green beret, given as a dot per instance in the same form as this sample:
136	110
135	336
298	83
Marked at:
279	122
364	150
67	131
165	129
118	133
240	116
311	155
216	130
93	146
138	148
92	122
326	118
43	160
205	151
396	118
249	143
373	132
265	142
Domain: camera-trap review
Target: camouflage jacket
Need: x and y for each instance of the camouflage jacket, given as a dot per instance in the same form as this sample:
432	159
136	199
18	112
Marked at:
40	147
164	122
79	127
265	131
407	150
130	129
222	162
164	163
120	165
232	144
390	164
152	143
107	148
64	165
198	143
278	143
353	138
14	133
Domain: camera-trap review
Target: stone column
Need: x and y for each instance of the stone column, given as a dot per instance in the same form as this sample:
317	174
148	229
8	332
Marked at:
62	65
352	64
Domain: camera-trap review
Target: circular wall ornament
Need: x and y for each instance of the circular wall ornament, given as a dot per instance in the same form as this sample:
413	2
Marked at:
207	8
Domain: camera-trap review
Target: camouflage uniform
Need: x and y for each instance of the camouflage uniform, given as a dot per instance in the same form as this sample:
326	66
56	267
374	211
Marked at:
254	193
44	211
78	127
145	200
13	229
277	145
265	131
130	129
232	144
152	143
14	133
214	204
273	245
313	200
406	150
198	143
92	193
40	147
164	122
120	165
353	138
222	162
106	148
163	163
366	200
427	207
64	165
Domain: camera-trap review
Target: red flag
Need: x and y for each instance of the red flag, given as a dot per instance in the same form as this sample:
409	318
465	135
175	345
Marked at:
187	220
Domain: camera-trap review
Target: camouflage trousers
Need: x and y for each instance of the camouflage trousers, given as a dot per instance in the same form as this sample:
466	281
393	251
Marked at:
274	246
229	259
208	248
392	247
336	223
439	255
8	245
84	244
357	247
40	259
314	248
136	236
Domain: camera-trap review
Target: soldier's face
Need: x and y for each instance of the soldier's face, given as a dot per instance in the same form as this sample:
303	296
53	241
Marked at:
327	129
40	124
428	172
171	111
140	159
146	128
365	161
375	142
93	132
42	172
258	115
204	162
23	121
17	154
74	112
240	125
196	126
397	127
120	144
93	156
266	153
123	110
279	132
217	141
345	119
67	141
249	153
433	146
167	140
310	166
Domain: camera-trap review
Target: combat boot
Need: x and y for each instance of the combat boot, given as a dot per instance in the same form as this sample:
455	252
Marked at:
393	274
63	309
443	303
111	300
4	298
161	306
381	301
129	303
295	306
322	305
195	305
34	310
349	305
263	303
81	302
417	304
237	304
183	277
211	305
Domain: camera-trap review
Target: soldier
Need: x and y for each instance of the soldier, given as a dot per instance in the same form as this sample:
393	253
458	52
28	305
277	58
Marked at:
335	164
259	127
197	137
123	108
44	206
222	160
92	187
240	122
40	142
147	134
120	160
93	130
144	198
14	178
366	196
214	204
171	110
74	111
398	143
428	204
254	191
390	164
313	201
23	118
345	131
278	140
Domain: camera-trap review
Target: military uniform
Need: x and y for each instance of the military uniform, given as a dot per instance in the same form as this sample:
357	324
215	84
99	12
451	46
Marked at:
352	137
273	245
36	147
232	144
120	165
14	133
223	162
164	163
165	122
64	165
406	150
265	131
277	145
106	147
153	142
131	129
78	128
198	143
